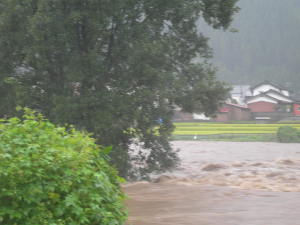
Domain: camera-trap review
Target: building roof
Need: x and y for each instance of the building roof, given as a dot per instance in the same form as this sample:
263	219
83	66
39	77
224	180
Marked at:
296	97
269	83
279	93
267	96
237	105
243	90
239	93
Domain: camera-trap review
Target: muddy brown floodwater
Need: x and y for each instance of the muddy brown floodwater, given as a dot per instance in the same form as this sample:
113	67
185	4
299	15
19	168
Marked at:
222	183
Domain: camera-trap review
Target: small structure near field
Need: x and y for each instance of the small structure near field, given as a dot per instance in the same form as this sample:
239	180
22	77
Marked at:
271	102
262	102
230	112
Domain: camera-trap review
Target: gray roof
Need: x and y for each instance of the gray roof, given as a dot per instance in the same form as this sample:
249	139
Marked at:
241	90
270	83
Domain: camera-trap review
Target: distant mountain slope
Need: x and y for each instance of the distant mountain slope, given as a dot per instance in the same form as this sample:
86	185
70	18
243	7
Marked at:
266	47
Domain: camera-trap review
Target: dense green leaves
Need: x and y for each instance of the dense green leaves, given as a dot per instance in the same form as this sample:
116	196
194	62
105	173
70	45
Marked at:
288	134
110	66
52	176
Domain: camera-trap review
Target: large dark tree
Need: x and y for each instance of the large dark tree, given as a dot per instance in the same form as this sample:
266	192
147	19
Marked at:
112	67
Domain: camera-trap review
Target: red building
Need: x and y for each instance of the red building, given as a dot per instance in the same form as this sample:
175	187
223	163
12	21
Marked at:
262	107
271	102
231	112
297	109
264	101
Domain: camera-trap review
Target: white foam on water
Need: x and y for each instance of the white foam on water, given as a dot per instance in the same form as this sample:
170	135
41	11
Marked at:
270	167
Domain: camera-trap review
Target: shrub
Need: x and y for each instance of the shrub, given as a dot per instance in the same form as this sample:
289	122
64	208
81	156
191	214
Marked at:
54	176
287	134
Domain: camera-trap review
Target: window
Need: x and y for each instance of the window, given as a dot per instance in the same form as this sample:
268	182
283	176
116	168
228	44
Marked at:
298	108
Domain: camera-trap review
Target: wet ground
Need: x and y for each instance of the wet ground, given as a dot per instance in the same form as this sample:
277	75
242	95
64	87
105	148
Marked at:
222	183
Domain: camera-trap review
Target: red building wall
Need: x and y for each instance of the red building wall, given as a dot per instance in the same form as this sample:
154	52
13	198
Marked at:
297	109
230	113
262	107
221	117
240	114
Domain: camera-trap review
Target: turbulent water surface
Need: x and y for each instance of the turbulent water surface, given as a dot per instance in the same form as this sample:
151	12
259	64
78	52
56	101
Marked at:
222	183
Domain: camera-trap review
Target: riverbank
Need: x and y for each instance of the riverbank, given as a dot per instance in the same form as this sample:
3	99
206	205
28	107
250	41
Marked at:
228	137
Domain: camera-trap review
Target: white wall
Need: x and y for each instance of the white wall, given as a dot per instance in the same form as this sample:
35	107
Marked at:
200	117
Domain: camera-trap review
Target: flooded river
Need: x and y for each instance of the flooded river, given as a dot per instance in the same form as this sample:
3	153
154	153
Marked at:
222	183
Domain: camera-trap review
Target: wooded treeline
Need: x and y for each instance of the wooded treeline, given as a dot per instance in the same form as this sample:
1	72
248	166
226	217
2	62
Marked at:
264	48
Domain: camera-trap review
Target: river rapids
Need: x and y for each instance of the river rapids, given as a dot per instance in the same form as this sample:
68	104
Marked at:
222	183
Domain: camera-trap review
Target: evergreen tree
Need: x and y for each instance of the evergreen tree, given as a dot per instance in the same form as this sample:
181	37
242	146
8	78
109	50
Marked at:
112	67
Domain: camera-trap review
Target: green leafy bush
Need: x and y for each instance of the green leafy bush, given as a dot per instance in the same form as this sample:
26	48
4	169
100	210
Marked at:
50	175
287	134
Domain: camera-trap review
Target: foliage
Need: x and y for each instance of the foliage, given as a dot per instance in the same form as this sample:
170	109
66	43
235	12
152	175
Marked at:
50	175
288	134
111	66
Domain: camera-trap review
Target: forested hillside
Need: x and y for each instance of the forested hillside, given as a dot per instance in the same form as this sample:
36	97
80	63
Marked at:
266	46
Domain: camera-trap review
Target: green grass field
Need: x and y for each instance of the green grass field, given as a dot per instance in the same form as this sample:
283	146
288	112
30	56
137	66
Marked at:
219	128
